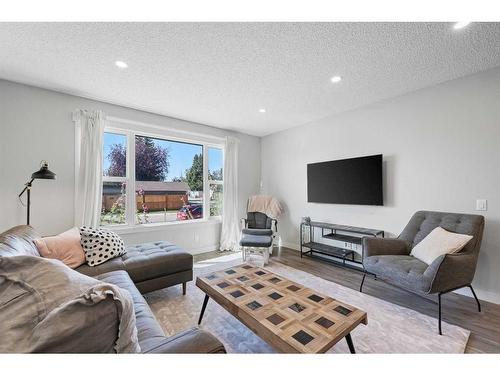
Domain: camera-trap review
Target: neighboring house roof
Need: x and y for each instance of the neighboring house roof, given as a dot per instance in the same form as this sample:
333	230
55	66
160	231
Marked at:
152	187
161	186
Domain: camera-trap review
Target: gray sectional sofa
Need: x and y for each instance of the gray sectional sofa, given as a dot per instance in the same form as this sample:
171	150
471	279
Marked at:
151	266
143	268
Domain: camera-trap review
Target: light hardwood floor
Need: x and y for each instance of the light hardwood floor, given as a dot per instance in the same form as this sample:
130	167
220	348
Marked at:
457	309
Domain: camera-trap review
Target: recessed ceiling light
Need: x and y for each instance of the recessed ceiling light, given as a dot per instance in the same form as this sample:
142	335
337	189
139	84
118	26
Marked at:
336	79
460	25
262	110
121	64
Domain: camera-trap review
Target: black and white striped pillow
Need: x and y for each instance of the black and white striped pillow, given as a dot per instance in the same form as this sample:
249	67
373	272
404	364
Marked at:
100	245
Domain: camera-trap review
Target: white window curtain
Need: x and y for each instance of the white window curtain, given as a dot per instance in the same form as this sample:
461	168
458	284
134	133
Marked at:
230	232
89	128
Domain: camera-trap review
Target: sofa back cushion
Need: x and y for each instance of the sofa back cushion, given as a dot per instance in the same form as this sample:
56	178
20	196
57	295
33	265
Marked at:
19	241
46	306
424	222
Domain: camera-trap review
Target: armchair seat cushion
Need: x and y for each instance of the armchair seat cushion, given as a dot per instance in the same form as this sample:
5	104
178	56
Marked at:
402	270
252	240
257	232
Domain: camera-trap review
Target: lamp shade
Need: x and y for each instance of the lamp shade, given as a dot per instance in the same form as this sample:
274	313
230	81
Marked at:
44	172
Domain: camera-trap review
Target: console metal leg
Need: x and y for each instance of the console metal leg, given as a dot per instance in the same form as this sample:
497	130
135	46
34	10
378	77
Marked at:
348	338
184	285
362	282
205	301
475	297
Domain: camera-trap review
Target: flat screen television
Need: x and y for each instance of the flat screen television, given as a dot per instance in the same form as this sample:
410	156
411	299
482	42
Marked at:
348	181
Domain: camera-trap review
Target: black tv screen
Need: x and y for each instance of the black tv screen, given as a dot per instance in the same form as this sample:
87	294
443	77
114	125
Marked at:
347	181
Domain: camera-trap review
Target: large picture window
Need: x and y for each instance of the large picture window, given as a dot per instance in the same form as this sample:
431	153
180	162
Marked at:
114	187
150	179
215	180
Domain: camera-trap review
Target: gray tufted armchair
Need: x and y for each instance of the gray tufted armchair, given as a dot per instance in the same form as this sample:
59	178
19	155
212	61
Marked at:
390	259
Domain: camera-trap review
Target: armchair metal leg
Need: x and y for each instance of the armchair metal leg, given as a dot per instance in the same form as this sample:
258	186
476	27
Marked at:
362	282
475	297
439	313
451	290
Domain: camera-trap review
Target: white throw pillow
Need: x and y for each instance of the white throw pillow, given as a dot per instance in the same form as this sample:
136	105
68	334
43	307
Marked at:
100	245
439	242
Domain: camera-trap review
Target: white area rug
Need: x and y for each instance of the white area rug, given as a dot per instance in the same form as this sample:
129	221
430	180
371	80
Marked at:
391	328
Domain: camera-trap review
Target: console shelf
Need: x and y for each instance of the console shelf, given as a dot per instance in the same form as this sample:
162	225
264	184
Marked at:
343	237
343	233
329	250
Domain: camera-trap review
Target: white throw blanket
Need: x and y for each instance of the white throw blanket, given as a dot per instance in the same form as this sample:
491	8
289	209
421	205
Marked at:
266	205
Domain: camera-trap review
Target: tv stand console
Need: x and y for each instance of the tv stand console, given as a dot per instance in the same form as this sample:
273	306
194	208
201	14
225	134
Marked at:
350	236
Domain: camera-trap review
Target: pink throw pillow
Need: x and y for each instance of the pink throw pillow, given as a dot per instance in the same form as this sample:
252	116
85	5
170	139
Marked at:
65	246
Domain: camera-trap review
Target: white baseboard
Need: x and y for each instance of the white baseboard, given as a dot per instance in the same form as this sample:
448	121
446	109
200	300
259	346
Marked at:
203	249
483	295
290	245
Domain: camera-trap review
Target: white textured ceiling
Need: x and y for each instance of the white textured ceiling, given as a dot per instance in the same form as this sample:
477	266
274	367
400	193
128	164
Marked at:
220	74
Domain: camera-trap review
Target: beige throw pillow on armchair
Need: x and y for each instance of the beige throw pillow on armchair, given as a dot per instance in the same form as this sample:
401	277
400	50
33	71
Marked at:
437	243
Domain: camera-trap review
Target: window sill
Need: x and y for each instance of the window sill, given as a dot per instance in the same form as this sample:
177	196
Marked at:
125	229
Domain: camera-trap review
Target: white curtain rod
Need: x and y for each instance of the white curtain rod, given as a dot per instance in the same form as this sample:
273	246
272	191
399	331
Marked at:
160	127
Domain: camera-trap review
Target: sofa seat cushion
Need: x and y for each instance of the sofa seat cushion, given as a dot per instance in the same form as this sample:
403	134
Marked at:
402	270
193	340
146	261
150	335
155	259
115	264
149	332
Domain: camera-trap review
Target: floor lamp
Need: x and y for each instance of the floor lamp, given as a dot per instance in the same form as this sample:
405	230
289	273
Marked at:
43	173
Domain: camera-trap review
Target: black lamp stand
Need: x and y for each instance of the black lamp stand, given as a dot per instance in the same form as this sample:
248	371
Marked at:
43	173
27	189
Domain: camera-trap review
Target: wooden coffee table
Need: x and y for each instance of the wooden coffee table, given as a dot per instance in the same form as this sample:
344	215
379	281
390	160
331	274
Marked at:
287	315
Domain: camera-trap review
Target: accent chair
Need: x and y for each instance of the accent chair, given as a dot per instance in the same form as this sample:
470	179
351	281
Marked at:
258	235
389	258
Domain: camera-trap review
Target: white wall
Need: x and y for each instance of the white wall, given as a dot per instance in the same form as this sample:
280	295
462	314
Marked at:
441	148
36	124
